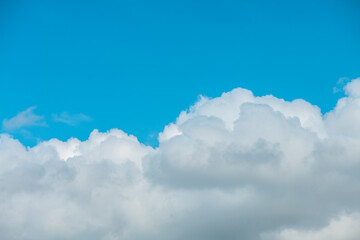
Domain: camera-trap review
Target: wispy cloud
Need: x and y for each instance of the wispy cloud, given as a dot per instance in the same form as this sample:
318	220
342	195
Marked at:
71	119
25	118
341	84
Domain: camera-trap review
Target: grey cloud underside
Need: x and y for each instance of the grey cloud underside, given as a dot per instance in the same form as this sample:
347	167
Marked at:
232	167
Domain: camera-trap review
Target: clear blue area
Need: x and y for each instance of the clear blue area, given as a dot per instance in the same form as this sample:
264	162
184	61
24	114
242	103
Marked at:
135	65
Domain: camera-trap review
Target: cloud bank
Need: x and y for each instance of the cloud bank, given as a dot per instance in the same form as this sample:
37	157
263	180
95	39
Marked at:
233	167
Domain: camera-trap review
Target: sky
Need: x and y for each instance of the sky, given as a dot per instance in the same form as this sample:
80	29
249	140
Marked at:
199	120
135	65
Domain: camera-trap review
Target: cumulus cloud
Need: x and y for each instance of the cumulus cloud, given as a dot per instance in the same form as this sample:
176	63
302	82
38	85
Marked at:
71	119
23	119
233	167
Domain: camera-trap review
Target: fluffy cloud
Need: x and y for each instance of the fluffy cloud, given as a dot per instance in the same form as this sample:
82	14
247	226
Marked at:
233	167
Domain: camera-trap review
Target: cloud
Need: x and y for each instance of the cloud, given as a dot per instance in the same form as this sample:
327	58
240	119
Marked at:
70	119
344	227
233	167
26	118
340	84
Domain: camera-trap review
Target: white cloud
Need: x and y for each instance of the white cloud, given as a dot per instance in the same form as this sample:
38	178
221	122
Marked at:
71	119
232	167
23	119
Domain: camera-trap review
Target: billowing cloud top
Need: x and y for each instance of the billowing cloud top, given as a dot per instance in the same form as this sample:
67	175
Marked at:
232	167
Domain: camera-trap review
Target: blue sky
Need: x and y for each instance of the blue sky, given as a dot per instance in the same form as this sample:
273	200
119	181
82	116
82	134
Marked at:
134	65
